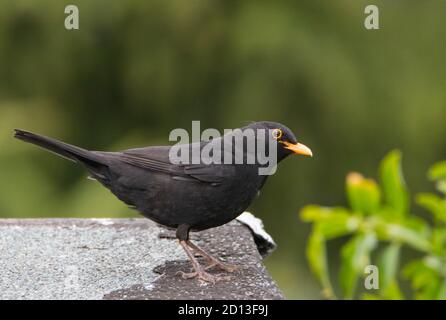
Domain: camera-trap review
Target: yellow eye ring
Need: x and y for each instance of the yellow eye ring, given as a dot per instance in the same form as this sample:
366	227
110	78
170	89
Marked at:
277	134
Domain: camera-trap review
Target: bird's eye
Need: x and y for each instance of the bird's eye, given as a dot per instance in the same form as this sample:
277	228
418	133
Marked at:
277	134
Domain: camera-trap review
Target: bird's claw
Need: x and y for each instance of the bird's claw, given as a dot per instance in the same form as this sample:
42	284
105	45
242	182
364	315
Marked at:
204	276
224	266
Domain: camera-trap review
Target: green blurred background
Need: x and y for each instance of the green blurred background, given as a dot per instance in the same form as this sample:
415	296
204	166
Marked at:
137	69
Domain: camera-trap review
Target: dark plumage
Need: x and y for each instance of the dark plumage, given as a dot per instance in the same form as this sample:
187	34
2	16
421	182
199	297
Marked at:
181	196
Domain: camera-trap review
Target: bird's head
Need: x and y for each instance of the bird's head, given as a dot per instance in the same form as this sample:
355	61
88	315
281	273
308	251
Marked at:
287	143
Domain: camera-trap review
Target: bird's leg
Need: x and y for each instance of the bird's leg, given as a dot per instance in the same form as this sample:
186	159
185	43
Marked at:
199	271
212	261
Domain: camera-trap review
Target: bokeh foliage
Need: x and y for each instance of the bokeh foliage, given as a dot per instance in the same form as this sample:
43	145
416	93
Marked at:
137	69
371	220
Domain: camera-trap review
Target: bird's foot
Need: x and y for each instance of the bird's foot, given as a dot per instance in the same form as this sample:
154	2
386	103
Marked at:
204	276
224	266
213	261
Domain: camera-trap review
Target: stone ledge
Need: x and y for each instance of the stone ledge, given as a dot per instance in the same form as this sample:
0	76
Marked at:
121	259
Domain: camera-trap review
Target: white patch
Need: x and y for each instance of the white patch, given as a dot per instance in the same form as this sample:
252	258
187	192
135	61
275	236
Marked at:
256	225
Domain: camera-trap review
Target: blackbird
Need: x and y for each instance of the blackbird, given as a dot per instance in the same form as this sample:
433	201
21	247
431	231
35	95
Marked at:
194	196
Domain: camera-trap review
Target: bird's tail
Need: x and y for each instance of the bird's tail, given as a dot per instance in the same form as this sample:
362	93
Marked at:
68	151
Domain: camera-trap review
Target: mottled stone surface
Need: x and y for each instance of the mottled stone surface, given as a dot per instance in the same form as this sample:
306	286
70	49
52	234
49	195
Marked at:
121	259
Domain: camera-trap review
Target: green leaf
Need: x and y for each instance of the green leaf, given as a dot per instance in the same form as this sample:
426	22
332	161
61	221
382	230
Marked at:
438	171
370	296
418	225
442	291
424	279
439	241
355	256
330	222
337	226
317	258
438	264
434	204
363	194
393	185
393	292
441	186
388	266
404	233
313	213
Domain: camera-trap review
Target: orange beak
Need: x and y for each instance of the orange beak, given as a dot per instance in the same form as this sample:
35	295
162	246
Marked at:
298	148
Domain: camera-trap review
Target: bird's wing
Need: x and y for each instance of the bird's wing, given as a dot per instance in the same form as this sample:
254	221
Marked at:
210	173
151	158
157	159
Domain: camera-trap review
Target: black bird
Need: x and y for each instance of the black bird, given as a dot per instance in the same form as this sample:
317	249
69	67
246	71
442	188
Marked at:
182	196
